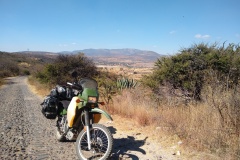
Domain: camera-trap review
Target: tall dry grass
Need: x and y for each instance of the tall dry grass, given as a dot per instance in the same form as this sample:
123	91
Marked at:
38	88
211	126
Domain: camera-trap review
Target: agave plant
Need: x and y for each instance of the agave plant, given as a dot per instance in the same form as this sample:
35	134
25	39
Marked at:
126	83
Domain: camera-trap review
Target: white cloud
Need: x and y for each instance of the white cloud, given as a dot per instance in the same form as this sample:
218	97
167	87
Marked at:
173	32
74	43
62	45
199	36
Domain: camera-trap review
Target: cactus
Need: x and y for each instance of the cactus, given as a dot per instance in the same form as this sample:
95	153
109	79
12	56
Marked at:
125	83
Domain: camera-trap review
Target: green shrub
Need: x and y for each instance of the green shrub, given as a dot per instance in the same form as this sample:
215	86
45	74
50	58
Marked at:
60	70
26	72
193	67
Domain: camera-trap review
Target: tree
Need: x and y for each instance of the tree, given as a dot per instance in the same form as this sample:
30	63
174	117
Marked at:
188	71
60	71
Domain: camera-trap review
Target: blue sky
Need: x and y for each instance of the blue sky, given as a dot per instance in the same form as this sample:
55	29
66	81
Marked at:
163	26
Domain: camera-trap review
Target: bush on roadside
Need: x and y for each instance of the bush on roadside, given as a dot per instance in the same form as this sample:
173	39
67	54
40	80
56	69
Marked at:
193	68
59	72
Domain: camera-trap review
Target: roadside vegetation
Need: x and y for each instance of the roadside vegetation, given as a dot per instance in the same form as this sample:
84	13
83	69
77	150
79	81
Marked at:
9	66
21	64
194	95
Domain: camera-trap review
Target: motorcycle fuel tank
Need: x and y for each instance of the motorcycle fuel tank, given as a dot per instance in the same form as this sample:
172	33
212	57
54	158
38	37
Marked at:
71	111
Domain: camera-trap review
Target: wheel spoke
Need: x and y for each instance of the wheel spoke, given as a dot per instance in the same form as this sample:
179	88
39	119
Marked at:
101	143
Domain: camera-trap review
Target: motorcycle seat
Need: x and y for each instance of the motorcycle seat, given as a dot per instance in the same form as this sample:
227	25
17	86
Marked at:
65	103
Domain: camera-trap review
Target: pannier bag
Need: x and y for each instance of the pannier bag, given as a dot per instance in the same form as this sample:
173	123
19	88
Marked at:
61	92
49	107
54	92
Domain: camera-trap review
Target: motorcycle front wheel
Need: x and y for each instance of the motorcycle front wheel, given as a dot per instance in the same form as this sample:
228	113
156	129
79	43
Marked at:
101	143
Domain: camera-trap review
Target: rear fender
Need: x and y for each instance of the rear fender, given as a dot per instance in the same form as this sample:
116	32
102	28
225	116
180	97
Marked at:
102	112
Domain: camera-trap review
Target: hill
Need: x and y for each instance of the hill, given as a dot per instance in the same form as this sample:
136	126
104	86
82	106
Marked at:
138	54
122	57
104	57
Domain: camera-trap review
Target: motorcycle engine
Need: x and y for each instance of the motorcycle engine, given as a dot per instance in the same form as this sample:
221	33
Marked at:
69	135
63	127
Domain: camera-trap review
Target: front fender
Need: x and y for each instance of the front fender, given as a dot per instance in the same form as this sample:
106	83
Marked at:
102	112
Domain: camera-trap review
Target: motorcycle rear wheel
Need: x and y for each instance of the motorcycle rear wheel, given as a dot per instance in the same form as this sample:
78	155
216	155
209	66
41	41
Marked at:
101	143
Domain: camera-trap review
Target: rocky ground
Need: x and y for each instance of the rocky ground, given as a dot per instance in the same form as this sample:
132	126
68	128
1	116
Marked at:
26	134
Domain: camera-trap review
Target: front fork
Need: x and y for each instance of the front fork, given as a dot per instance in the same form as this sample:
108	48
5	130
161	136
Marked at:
87	124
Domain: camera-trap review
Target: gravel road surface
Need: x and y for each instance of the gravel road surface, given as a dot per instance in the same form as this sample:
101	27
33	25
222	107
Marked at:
26	134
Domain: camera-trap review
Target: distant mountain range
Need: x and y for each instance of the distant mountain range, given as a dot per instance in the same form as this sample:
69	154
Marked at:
124	57
134	54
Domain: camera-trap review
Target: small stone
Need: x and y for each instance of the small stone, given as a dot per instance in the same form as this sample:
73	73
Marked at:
158	128
178	153
159	157
180	142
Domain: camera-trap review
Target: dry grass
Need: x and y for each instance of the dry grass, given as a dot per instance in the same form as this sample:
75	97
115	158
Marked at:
211	126
38	88
130	72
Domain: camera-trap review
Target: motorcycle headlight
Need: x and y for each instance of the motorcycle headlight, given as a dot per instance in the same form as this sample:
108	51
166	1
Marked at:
92	99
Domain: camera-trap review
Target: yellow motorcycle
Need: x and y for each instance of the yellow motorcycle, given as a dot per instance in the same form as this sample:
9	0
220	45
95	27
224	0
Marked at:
78	119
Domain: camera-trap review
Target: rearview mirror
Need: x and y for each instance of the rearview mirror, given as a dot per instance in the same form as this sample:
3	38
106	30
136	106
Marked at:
74	74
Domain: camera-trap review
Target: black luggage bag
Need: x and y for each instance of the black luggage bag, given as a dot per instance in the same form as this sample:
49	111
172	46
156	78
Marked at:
49	107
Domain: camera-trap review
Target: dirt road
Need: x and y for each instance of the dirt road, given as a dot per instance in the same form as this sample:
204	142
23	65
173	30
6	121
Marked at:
26	134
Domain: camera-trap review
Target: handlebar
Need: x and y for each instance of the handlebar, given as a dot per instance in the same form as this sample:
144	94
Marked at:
75	86
69	83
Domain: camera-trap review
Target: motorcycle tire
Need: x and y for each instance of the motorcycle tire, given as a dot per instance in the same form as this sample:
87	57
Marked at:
101	143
